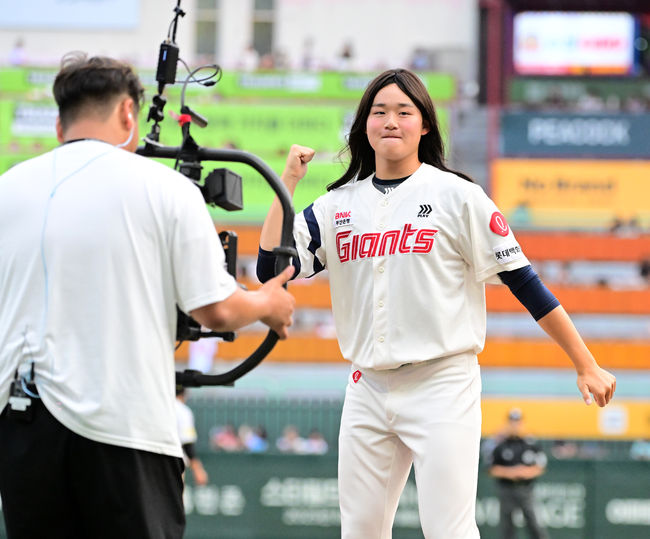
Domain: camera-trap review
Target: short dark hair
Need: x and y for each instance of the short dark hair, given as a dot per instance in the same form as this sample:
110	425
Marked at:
84	82
362	157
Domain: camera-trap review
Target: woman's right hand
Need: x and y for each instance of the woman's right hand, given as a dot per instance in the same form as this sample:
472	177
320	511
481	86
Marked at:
293	172
296	166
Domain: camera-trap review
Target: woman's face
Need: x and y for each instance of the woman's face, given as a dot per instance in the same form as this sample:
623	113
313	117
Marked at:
394	126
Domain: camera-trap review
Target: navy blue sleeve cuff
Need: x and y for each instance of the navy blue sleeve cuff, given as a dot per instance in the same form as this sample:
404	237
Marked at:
266	265
528	288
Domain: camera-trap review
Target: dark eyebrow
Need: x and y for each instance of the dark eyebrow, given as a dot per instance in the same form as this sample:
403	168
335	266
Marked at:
399	105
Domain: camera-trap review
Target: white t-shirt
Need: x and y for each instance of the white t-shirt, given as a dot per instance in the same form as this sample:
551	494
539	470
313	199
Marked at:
407	268
97	246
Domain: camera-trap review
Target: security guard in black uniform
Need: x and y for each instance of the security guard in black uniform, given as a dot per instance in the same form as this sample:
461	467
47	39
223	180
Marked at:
516	463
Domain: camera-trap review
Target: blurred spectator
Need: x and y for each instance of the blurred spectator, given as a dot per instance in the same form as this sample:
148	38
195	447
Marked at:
345	60
635	104
17	55
229	145
315	444
589	102
633	226
602	282
254	440
188	437
616	226
629	228
563	449
564	274
308	60
250	59
420	60
267	61
555	99
225	439
640	450
644	269
592	450
516	462
280	60
290	441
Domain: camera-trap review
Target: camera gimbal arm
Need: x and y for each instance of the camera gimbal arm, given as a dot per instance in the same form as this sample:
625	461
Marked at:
284	252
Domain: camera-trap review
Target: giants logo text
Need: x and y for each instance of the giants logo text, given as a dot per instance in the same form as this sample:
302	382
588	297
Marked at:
406	240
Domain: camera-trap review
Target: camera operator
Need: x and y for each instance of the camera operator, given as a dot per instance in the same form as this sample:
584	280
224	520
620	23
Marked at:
97	247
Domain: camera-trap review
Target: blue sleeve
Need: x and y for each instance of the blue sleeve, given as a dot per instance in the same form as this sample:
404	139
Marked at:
529	289
266	265
314	232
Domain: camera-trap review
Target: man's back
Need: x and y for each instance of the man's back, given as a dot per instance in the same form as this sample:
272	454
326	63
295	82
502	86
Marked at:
101	237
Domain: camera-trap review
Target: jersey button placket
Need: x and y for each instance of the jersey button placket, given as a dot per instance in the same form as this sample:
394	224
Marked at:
380	289
379	314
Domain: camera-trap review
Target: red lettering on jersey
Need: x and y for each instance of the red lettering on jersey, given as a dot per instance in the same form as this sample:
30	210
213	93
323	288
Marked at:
368	245
343	249
499	225
424	241
393	236
374	244
355	246
343	214
406	232
356	376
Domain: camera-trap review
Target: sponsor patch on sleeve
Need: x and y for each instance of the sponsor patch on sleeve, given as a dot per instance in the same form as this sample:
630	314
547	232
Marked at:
505	254
499	225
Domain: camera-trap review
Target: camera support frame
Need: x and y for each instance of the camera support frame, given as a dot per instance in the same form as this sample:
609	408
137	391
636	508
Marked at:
188	157
284	252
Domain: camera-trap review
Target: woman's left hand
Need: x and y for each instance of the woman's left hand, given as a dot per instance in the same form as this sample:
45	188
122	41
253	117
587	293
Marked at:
600	383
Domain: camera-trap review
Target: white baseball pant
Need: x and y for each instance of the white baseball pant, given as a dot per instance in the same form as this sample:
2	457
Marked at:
426	414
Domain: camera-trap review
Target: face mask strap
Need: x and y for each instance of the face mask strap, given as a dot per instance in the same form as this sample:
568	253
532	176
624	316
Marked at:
128	140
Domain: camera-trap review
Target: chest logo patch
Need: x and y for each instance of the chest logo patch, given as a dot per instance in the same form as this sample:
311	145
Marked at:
356	376
342	218
425	210
499	225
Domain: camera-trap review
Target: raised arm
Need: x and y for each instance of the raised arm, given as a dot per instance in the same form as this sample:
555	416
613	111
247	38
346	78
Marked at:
294	170
591	378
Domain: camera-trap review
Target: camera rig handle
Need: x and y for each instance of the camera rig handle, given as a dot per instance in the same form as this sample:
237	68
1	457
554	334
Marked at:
193	153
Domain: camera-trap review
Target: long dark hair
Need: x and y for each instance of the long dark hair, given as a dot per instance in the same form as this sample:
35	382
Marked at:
362	157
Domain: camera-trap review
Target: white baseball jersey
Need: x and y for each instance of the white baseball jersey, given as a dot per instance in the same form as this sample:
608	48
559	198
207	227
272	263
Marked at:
407	268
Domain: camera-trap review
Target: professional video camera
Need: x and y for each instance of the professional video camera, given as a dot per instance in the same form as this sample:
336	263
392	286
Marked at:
220	187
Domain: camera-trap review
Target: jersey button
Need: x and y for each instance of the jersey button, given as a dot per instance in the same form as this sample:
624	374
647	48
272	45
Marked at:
384	203
381	269
381	226
381	304
381	339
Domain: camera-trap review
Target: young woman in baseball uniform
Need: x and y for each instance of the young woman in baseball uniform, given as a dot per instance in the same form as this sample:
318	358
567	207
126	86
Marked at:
409	246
